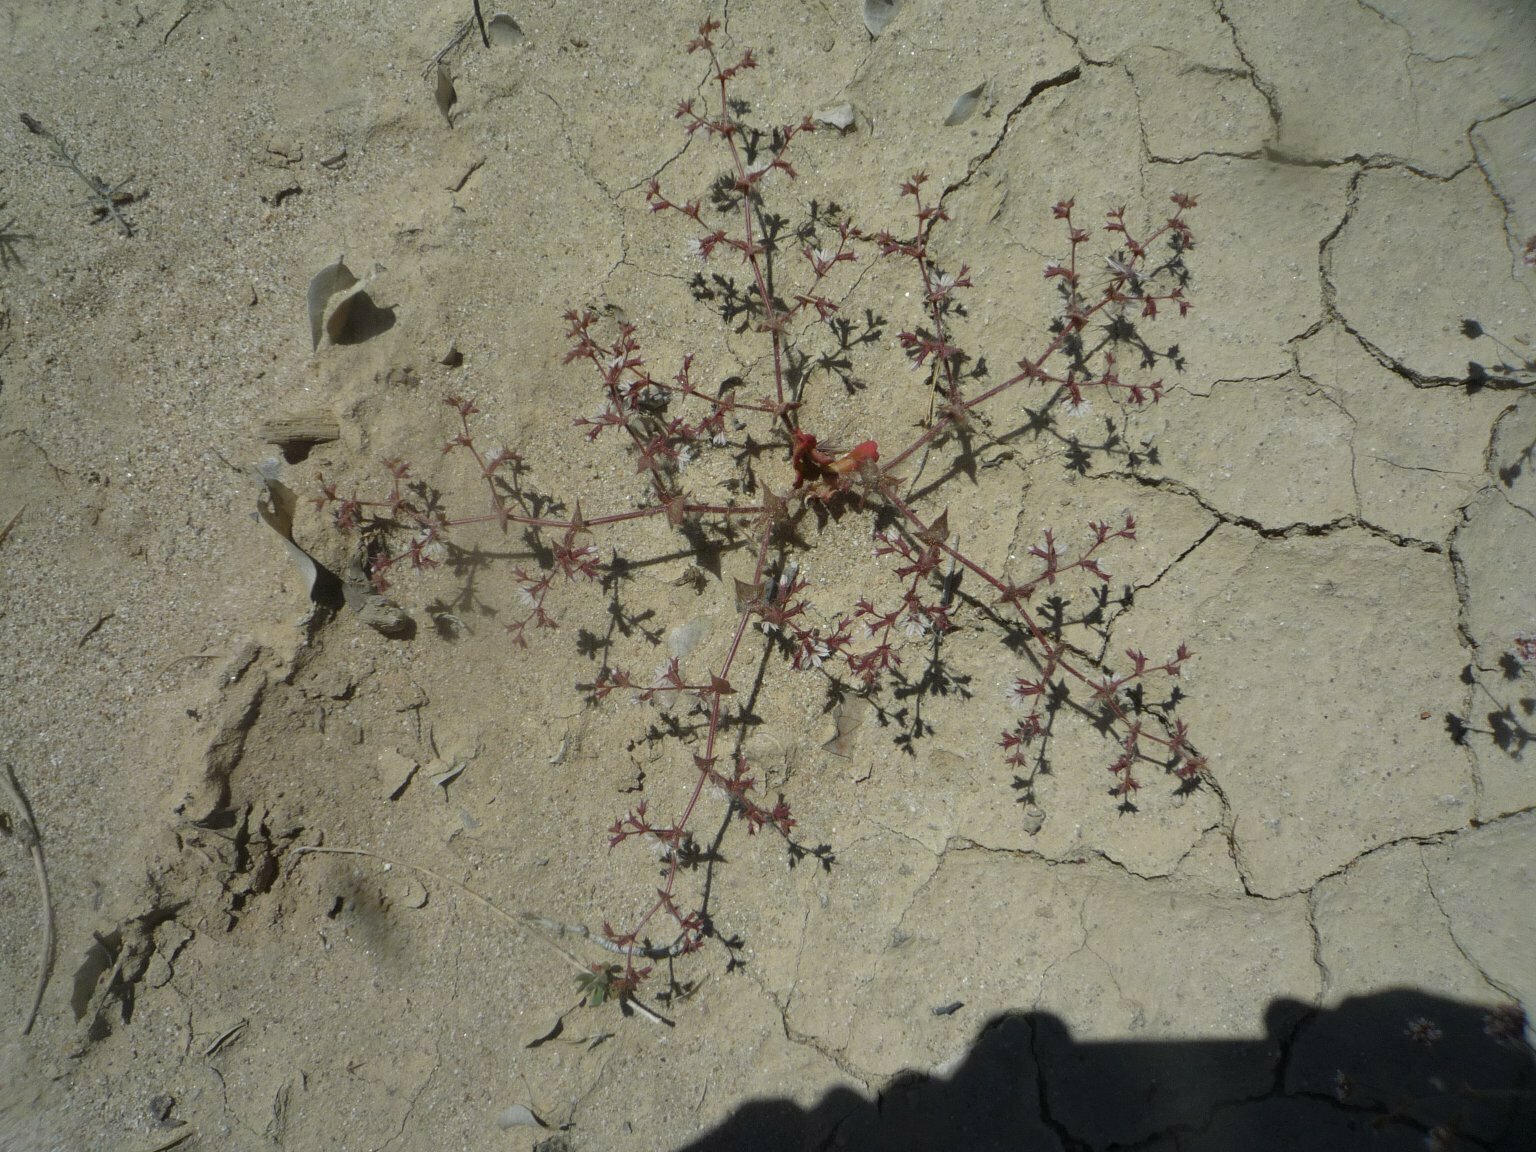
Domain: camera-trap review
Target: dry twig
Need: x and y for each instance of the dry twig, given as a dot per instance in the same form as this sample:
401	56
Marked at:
24	827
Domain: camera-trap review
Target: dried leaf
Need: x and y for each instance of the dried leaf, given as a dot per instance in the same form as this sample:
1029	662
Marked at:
504	31
878	14
965	106
443	779
329	281
848	715
445	94
518	1116
747	595
937	532
842	117
683	639
338	319
276	506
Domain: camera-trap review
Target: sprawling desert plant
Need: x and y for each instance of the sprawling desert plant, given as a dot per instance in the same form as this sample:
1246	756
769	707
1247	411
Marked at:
786	287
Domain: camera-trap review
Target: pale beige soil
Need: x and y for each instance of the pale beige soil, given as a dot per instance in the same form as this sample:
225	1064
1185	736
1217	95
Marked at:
1339	526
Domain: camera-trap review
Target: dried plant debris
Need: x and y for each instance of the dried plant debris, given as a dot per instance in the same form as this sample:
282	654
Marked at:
504	31
518	1116
848	715
106	200
330	281
841	117
340	307
965	106
445	94
500	31
878	14
16	820
276	506
298	431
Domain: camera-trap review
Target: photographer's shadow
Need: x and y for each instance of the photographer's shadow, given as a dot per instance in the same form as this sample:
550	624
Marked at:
1396	1070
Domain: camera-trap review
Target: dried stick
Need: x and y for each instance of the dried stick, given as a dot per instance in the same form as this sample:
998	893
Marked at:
26	831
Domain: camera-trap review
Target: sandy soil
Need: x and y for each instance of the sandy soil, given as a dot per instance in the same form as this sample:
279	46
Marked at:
1335	511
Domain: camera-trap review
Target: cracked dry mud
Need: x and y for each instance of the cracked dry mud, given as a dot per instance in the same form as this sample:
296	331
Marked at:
1339	526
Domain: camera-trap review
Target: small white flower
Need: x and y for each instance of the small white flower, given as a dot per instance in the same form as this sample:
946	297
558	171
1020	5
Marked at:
785	582
1078	407
684	457
525	598
915	625
812	653
696	248
1020	692
823	256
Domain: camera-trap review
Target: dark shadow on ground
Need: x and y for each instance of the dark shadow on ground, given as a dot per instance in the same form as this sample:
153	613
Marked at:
1398	1070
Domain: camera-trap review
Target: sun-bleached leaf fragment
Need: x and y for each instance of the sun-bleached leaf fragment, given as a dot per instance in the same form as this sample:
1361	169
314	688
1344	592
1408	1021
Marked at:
841	117
965	106
878	14
748	596
683	639
848	716
504	32
329	281
443	779
276	506
518	1116
444	94
338	316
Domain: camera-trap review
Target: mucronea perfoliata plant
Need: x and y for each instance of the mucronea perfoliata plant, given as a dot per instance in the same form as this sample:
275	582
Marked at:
793	480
